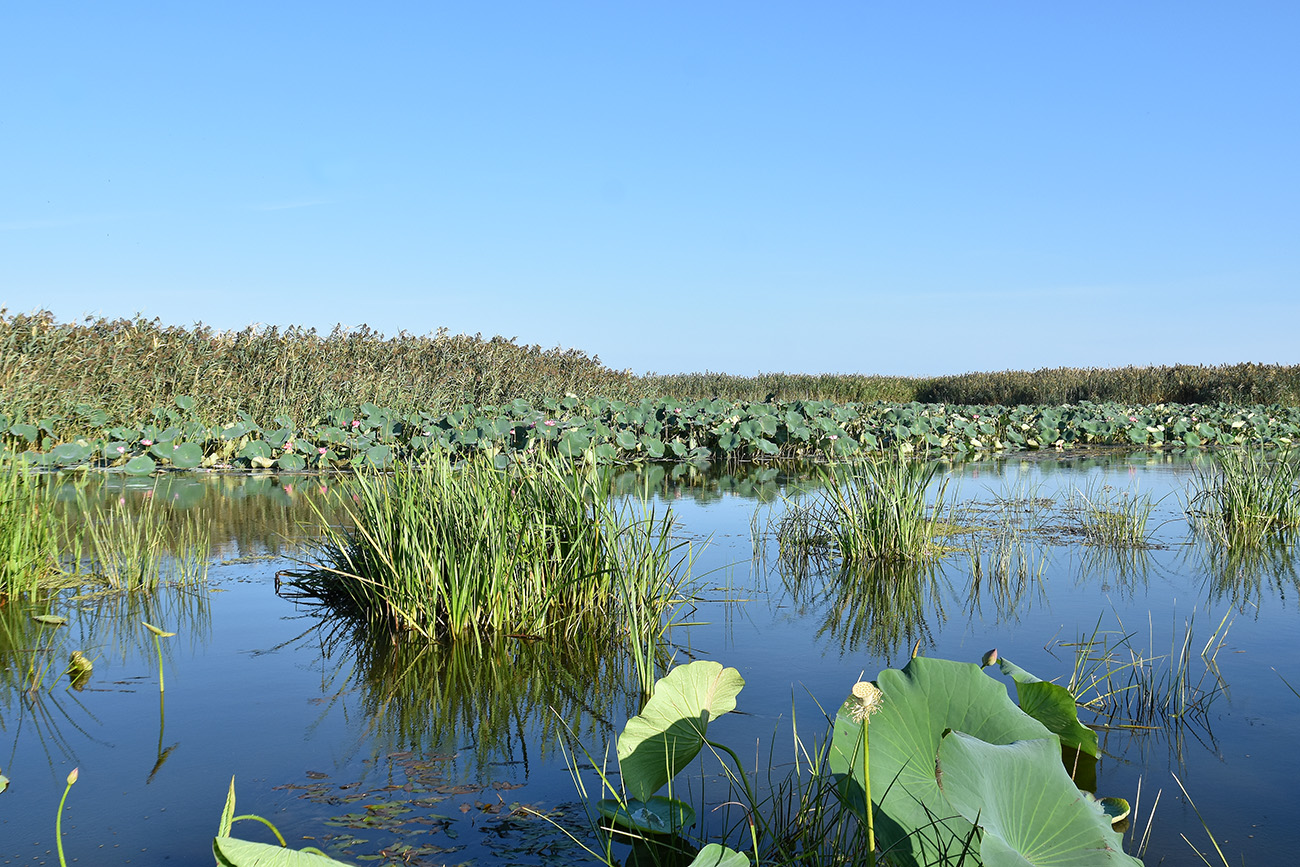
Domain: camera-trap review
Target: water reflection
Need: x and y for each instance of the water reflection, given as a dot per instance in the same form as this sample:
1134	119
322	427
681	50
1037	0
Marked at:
505	697
1245	575
882	608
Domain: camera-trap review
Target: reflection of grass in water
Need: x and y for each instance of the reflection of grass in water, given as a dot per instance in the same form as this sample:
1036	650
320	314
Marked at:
502	696
27	539
1123	569
880	608
1241	574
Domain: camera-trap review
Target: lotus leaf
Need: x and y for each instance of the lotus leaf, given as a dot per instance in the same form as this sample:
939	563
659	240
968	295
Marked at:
921	702
233	852
141	465
1028	808
1053	706
670	730
657	815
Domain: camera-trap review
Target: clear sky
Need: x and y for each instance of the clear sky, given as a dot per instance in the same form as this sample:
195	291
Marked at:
876	187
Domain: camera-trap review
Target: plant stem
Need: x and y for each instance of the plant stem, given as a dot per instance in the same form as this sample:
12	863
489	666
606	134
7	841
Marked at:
58	819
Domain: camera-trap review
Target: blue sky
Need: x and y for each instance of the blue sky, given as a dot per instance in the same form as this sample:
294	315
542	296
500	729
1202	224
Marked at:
874	187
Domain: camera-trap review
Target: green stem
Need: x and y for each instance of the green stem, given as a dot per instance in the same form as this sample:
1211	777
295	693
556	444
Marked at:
58	821
866	789
157	643
266	822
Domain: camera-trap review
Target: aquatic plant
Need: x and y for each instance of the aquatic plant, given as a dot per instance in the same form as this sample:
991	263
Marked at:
867	511
1117	519
1246	497
27	538
460	551
234	852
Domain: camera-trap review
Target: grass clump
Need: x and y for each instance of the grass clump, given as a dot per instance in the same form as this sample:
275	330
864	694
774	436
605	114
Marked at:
1247	497
461	551
869	511
1117	520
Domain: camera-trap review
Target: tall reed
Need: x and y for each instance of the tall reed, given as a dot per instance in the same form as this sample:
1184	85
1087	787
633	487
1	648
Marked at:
125	548
1247	497
870	510
461	551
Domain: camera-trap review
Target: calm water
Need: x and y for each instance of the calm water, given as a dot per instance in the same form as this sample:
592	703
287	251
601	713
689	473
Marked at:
365	750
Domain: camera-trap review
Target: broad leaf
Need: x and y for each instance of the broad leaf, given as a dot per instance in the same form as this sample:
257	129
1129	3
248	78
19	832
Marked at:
669	732
714	855
657	815
232	852
921	702
228	811
1028	808
1053	706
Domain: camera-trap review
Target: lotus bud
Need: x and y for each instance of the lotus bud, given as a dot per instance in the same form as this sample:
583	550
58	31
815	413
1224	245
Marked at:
989	658
72	776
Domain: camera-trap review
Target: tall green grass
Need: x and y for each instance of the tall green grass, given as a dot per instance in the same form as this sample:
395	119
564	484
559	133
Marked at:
461	551
868	511
1248	497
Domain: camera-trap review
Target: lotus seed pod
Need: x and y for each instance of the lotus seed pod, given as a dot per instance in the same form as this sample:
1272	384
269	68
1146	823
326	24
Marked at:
868	700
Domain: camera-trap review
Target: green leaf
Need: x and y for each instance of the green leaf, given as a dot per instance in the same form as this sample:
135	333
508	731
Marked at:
657	815
228	811
185	402
1028	808
669	732
50	619
233	852
141	465
28	432
255	449
626	440
187	456
715	855
294	462
921	702
4	782
1053	706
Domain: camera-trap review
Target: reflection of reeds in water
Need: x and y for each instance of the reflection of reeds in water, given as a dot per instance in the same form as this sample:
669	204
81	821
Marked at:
1240	574
879	608
26	533
104	627
1123	570
504	696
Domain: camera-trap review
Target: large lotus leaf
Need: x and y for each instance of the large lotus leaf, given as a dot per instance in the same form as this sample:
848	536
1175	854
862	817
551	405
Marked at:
233	852
1028	808
657	815
669	732
187	456
1053	706
715	855
921	702
141	465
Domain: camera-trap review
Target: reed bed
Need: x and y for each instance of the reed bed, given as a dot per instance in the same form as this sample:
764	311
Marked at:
77	376
867	511
1113	519
1248	497
125	547
463	551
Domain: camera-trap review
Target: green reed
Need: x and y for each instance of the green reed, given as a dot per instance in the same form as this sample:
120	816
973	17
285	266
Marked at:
462	551
130	546
869	510
27	536
1114	519
1247	497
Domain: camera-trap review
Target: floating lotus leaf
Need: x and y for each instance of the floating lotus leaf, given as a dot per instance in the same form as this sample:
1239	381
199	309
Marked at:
656	815
670	730
187	456
1029	810
291	462
626	440
66	454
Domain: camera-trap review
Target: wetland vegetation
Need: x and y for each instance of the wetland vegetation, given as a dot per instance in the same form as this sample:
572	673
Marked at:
530	557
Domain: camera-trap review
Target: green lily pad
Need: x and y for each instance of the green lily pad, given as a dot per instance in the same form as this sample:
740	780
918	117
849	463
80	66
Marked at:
1117	809
141	465
1052	705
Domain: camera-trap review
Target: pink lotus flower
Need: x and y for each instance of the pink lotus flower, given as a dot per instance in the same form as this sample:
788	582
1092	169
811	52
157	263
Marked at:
324	489
356	423
549	423
288	447
121	450
322	450
288	489
146	442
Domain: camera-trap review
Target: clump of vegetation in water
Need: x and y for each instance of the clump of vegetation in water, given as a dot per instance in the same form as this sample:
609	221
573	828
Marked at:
27	534
1248	497
459	551
868	511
